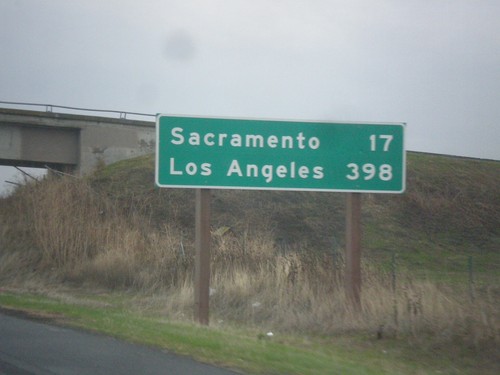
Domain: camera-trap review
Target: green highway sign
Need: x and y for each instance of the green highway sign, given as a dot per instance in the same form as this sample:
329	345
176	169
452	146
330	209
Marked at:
226	153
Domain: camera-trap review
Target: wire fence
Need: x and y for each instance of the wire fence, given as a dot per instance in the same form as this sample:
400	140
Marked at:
471	274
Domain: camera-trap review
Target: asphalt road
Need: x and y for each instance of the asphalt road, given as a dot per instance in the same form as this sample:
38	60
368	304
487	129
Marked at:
34	348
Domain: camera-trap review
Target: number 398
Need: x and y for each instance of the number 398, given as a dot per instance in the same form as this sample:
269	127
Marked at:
369	171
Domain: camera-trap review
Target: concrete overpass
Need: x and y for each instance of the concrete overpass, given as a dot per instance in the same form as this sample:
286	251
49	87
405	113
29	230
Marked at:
69	142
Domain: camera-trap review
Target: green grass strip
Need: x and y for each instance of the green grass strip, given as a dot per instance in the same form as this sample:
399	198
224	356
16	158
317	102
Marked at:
228	348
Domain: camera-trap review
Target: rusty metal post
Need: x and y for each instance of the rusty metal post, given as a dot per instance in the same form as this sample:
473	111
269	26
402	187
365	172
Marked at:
202	260
353	249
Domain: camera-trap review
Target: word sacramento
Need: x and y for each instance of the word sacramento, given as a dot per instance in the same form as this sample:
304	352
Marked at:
248	140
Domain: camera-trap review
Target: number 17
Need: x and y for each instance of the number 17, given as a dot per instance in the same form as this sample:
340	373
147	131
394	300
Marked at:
387	138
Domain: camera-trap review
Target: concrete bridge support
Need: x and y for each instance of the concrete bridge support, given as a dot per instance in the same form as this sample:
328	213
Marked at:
70	142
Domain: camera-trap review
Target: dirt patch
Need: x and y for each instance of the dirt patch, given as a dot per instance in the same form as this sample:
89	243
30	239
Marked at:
42	317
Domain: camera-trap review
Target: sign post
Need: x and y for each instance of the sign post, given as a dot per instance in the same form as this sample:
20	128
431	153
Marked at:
352	278
202	258
225	153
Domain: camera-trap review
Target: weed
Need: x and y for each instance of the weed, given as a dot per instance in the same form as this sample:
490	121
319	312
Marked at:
273	265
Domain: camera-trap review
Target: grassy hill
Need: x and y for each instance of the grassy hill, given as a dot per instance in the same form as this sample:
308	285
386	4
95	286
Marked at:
449	212
430	256
447	220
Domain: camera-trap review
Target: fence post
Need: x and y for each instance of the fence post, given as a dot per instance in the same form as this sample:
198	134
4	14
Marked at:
471	279
394	294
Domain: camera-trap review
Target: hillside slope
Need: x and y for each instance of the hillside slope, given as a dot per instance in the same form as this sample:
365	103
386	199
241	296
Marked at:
449	212
430	272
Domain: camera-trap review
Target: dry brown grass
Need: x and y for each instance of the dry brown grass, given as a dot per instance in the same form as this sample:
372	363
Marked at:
63	227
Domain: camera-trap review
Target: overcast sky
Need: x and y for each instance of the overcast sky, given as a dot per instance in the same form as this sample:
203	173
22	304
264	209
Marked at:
434	64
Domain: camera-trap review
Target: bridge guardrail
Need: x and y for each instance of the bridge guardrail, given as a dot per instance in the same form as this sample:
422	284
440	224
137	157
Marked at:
50	108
